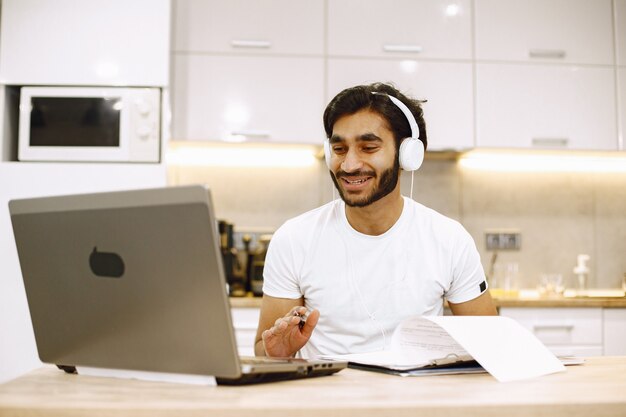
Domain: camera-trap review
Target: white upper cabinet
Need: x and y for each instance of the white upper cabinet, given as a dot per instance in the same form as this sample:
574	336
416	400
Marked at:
249	27
620	30
568	31
392	28
546	106
96	42
446	85
236	98
622	106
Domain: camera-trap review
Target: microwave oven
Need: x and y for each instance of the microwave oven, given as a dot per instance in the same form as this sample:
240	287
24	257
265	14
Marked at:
89	124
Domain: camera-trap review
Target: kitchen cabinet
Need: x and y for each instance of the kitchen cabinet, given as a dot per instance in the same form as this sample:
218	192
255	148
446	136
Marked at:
98	42
620	31
446	85
621	77
411	28
236	98
564	31
250	27
546	106
565	331
245	322
614	320
22	180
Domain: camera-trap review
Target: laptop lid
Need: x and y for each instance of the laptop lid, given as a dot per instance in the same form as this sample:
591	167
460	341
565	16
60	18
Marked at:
127	280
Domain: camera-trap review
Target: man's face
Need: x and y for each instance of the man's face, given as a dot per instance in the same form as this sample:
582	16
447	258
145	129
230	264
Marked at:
363	164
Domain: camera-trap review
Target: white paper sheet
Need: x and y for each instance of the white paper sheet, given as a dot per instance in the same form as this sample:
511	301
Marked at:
501	345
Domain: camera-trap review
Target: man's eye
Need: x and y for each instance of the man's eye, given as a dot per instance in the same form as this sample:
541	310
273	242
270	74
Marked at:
370	148
338	149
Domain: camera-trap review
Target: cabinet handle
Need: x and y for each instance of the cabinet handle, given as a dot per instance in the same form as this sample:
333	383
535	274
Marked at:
547	53
551	142
243	43
259	134
568	327
402	48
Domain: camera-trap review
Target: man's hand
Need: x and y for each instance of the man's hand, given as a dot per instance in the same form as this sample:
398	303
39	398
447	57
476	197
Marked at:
288	335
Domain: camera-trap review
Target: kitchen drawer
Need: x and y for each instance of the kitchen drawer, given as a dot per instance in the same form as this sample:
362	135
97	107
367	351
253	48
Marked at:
561	326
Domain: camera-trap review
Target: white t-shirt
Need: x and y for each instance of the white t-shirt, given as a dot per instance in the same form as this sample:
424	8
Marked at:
365	285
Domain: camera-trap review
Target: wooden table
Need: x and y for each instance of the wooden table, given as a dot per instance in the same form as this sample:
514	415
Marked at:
597	388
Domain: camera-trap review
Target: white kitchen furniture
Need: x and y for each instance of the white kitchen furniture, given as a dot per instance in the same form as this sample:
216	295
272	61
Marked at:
97	42
565	331
236	98
546	106
32	179
621	81
563	31
579	327
620	31
446	85
250	27
245	321
532	74
418	29
614	329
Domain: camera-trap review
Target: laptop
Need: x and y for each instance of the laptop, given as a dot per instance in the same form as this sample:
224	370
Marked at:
133	280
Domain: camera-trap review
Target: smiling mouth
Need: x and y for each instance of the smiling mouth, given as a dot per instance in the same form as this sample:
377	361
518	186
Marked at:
355	182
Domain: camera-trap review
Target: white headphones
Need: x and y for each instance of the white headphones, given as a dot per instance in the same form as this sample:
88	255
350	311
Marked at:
411	153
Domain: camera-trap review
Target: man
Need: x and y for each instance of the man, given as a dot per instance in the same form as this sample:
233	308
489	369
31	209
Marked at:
360	265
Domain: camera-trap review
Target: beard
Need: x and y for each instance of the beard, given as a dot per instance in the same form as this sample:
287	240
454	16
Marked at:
386	184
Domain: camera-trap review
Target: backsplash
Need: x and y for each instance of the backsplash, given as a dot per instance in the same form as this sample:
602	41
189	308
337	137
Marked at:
559	215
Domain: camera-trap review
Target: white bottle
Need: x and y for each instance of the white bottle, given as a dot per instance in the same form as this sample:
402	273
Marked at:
581	270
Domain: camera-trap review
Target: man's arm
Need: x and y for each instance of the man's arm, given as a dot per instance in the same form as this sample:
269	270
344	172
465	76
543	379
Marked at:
279	333
480	306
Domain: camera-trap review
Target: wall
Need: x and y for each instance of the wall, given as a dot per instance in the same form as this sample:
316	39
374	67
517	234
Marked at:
559	214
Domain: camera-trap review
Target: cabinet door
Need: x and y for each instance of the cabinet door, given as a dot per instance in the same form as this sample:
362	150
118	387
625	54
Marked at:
573	31
546	107
424	28
268	26
565	331
446	85
237	98
614	331
620	30
621	73
97	42
245	322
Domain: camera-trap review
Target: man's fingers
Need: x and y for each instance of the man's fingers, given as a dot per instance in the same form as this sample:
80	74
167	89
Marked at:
310	323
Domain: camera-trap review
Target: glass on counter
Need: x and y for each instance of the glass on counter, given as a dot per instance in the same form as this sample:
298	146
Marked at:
505	280
551	285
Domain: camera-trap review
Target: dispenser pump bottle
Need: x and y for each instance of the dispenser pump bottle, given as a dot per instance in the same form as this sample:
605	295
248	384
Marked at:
581	270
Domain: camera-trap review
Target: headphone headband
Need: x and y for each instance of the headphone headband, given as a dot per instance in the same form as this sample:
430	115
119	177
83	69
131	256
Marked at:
415	132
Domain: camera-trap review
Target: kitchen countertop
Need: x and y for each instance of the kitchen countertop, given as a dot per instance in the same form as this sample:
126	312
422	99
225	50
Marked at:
532	302
593	389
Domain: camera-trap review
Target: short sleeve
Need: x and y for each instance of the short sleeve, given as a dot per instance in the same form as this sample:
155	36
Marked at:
279	272
468	276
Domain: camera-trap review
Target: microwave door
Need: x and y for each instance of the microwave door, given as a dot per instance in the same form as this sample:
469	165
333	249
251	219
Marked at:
72	129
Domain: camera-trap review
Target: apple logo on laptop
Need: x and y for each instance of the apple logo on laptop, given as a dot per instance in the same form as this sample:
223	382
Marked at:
106	264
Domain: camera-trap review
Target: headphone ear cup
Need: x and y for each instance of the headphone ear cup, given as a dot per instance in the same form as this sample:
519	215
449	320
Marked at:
327	152
411	154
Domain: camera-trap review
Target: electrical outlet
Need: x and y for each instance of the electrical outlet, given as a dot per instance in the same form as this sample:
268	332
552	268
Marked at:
503	240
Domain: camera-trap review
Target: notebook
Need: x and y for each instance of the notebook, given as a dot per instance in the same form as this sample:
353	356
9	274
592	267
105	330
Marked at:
133	280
